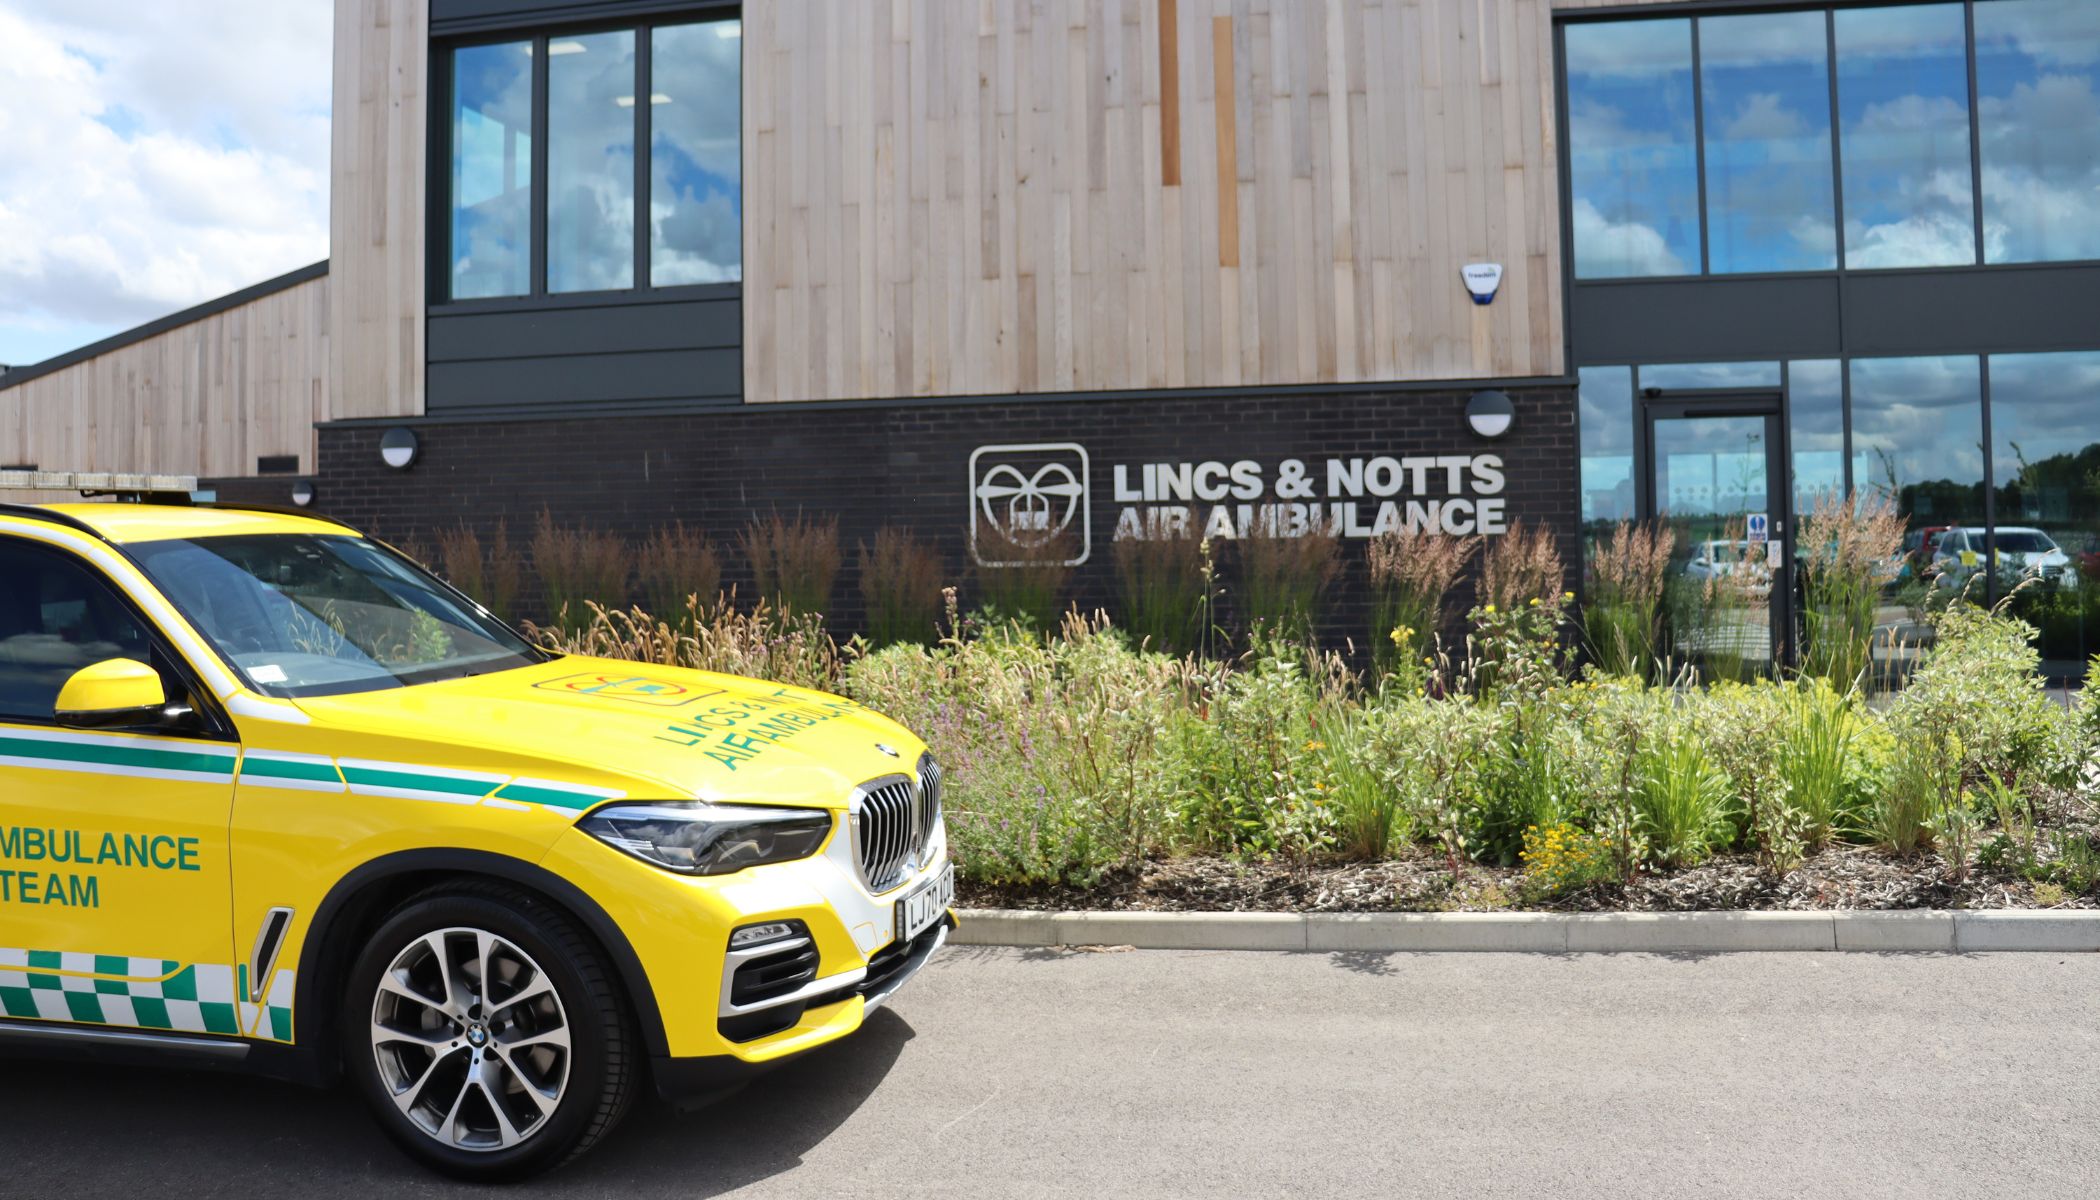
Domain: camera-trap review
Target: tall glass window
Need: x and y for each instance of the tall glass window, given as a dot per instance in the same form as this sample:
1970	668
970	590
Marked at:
492	170
2045	453
1917	424
590	162
1903	112
1766	81
2038	118
696	203
1607	447
1633	167
1816	430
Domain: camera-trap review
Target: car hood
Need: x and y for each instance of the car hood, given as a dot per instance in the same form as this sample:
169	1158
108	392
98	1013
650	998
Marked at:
644	731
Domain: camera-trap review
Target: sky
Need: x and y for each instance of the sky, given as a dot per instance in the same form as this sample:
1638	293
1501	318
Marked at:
154	156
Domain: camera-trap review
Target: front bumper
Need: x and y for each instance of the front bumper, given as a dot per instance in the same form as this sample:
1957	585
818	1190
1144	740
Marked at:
679	928
697	1081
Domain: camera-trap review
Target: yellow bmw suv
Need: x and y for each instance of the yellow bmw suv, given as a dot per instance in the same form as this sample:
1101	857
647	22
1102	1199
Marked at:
272	797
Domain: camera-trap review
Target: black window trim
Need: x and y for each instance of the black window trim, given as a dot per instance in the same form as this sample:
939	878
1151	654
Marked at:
641	19
216	726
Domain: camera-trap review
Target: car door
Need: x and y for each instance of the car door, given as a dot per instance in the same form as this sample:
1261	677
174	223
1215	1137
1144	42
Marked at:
114	873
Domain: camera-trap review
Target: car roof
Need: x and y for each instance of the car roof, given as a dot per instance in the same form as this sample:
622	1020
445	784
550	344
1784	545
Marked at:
126	523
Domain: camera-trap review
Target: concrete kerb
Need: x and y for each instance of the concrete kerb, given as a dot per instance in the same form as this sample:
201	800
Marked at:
1596	933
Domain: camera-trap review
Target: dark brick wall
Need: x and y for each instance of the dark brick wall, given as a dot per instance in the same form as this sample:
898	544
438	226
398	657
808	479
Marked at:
908	464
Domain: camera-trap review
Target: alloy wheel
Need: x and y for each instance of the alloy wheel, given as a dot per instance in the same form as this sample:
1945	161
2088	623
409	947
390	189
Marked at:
471	1039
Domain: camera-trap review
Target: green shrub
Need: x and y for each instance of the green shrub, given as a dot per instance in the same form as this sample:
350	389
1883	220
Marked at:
1682	800
1902	815
1369	809
1526	785
1818	759
1241	752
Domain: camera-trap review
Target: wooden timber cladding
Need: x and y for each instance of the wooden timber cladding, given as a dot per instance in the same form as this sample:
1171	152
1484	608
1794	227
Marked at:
376	205
208	397
947	197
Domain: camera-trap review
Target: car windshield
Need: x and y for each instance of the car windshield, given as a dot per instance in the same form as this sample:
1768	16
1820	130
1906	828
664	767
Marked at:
2023	541
318	615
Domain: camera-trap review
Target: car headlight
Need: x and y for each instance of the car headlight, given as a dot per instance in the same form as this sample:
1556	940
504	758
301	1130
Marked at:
693	837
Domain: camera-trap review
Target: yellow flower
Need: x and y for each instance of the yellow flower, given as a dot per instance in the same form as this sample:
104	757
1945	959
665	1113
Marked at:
1491	608
1567	595
1534	602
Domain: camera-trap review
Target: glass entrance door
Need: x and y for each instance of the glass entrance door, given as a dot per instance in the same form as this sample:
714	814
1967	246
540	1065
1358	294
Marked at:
1715	481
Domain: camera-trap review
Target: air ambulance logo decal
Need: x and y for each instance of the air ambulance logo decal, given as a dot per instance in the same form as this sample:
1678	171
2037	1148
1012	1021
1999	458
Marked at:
638	689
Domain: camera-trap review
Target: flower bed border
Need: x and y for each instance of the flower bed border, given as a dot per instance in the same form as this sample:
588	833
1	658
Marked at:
1925	930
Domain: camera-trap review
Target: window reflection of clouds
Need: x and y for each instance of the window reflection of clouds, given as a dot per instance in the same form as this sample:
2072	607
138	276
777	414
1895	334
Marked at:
1903	107
1816	429
2038	117
1917	430
1606	395
1633	170
1767	102
491	170
590	163
695	197
1671	376
2043	433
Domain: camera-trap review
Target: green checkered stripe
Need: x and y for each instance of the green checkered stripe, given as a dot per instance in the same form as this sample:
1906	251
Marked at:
140	993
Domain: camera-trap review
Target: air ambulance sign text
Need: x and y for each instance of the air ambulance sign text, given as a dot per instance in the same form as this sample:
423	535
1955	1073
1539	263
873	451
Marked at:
1457	494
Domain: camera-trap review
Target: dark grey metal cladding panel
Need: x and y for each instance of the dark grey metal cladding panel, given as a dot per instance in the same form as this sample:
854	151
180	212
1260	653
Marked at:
1705	318
577	382
2003	309
623	328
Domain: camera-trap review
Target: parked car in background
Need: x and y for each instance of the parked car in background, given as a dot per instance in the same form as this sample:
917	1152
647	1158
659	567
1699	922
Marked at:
1721	559
1920	547
2023	552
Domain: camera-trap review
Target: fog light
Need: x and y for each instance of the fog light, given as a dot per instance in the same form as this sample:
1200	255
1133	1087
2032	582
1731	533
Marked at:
756	935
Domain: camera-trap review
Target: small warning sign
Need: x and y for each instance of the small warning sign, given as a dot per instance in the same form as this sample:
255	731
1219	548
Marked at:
1760	528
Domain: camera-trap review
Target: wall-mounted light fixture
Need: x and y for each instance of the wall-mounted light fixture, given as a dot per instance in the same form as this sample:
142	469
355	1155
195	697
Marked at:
303	493
398	448
1490	413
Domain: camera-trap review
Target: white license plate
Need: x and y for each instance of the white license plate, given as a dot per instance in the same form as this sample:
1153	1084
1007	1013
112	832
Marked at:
926	904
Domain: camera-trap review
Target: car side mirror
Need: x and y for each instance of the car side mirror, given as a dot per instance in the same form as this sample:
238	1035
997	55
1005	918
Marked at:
111	694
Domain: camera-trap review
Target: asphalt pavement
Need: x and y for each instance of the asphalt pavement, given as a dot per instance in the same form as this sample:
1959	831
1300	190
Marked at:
1159	1073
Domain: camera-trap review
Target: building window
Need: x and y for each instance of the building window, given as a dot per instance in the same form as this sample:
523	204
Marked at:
1903	108
1766	81
1705	145
1815	394
1917	426
639	183
696	205
1632	164
590	162
2046	473
2038	117
492	170
1606	395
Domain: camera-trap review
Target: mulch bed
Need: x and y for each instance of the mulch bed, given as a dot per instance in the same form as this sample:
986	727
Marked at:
1840	877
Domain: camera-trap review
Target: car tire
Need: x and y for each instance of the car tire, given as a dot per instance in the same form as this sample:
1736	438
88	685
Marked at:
490	1082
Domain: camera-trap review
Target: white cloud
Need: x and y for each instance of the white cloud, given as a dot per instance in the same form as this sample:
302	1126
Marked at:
1605	247
152	157
1764	116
